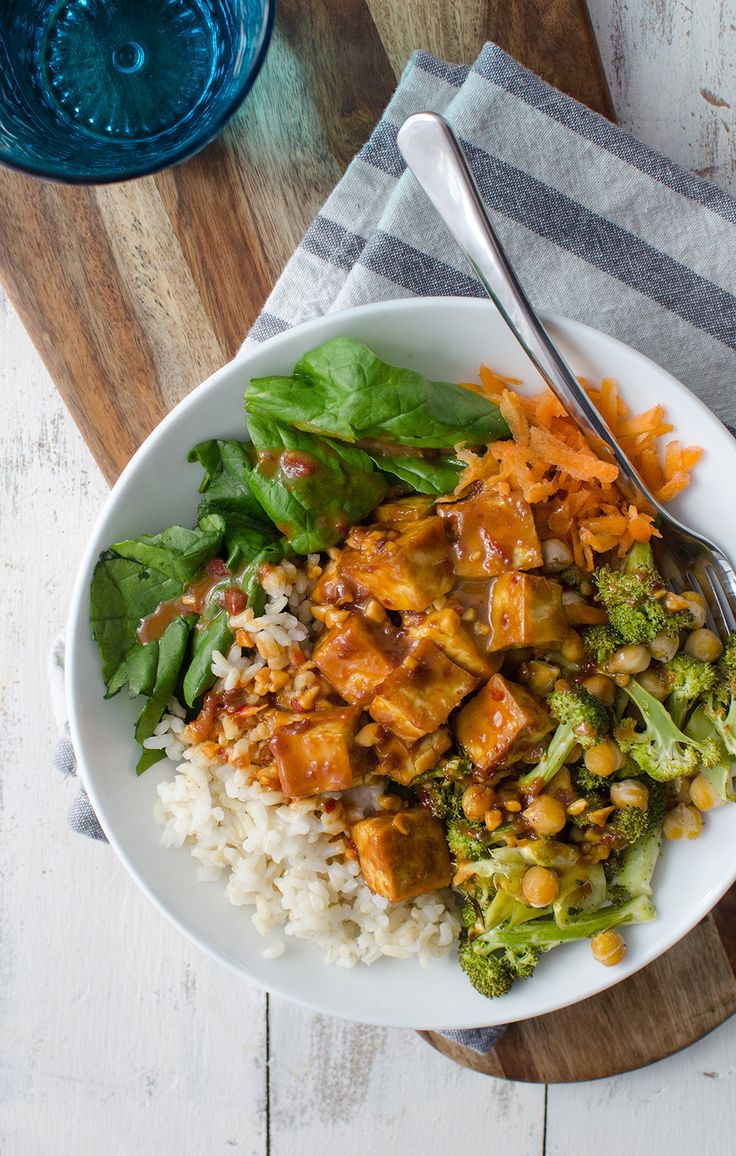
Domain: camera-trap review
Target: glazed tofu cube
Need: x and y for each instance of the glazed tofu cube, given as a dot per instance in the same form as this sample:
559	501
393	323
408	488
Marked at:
418	696
446	630
404	567
403	855
501	724
315	752
526	611
490	533
356	656
404	763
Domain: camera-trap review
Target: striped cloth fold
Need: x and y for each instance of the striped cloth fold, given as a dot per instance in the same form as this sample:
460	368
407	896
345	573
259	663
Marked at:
599	227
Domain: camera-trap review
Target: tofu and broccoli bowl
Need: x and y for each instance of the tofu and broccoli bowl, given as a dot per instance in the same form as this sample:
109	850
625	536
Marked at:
422	684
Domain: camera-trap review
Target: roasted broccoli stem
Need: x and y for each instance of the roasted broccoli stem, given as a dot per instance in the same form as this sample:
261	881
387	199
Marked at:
629	597
630	870
582	718
687	679
494	959
661	749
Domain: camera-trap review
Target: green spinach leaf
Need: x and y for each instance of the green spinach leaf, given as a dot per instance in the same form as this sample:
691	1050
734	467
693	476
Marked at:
147	759
177	552
425	476
123	592
172	647
313	489
342	390
252	588
138	669
217	635
225	483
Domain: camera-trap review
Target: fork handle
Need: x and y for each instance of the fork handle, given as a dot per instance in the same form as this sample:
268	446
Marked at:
433	154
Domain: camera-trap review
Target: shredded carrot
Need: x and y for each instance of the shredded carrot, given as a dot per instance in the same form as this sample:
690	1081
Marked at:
574	492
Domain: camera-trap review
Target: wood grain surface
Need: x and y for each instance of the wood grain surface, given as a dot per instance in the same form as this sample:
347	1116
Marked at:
683	995
134	293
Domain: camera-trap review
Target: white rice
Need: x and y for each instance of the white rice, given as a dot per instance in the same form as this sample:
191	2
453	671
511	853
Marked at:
286	861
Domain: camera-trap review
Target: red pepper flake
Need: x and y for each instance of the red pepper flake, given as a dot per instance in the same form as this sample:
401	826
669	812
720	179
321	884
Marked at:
235	600
296	705
222	754
216	568
298	464
329	805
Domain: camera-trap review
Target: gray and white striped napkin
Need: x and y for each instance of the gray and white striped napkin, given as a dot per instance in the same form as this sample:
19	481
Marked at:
599	227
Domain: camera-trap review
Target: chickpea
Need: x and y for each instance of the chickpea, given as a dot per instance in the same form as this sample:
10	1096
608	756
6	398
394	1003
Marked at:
572	647
682	822
608	947
703	794
476	801
696	606
630	793
664	647
703	644
540	886
604	758
572	598
629	660
601	687
545	815
651	681
540	676
556	555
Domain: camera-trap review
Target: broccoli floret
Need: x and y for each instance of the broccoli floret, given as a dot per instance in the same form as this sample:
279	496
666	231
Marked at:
494	959
467	840
582	719
721	704
630	824
442	798
661	750
601	641
493	974
590	786
441	789
687	679
629	596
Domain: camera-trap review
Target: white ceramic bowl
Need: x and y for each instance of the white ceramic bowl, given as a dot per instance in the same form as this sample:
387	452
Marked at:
446	338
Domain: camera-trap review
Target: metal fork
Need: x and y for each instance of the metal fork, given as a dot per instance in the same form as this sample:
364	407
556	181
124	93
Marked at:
432	152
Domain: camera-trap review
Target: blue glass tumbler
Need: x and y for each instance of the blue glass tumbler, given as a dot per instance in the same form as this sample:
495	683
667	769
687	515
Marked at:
104	90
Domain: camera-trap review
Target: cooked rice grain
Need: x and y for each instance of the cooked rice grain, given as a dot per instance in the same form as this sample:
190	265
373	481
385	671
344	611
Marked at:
287	861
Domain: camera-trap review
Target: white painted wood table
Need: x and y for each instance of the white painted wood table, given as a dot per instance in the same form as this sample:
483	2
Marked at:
118	1037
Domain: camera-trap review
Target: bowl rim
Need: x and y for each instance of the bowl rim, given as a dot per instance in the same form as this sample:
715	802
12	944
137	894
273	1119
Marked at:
179	155
78	608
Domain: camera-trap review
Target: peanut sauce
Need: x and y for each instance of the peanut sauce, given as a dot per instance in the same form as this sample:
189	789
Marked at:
192	601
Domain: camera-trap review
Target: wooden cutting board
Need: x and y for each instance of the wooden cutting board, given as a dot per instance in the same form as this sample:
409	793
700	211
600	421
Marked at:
135	293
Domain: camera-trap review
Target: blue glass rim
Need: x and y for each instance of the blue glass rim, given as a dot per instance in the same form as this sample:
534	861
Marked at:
185	152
